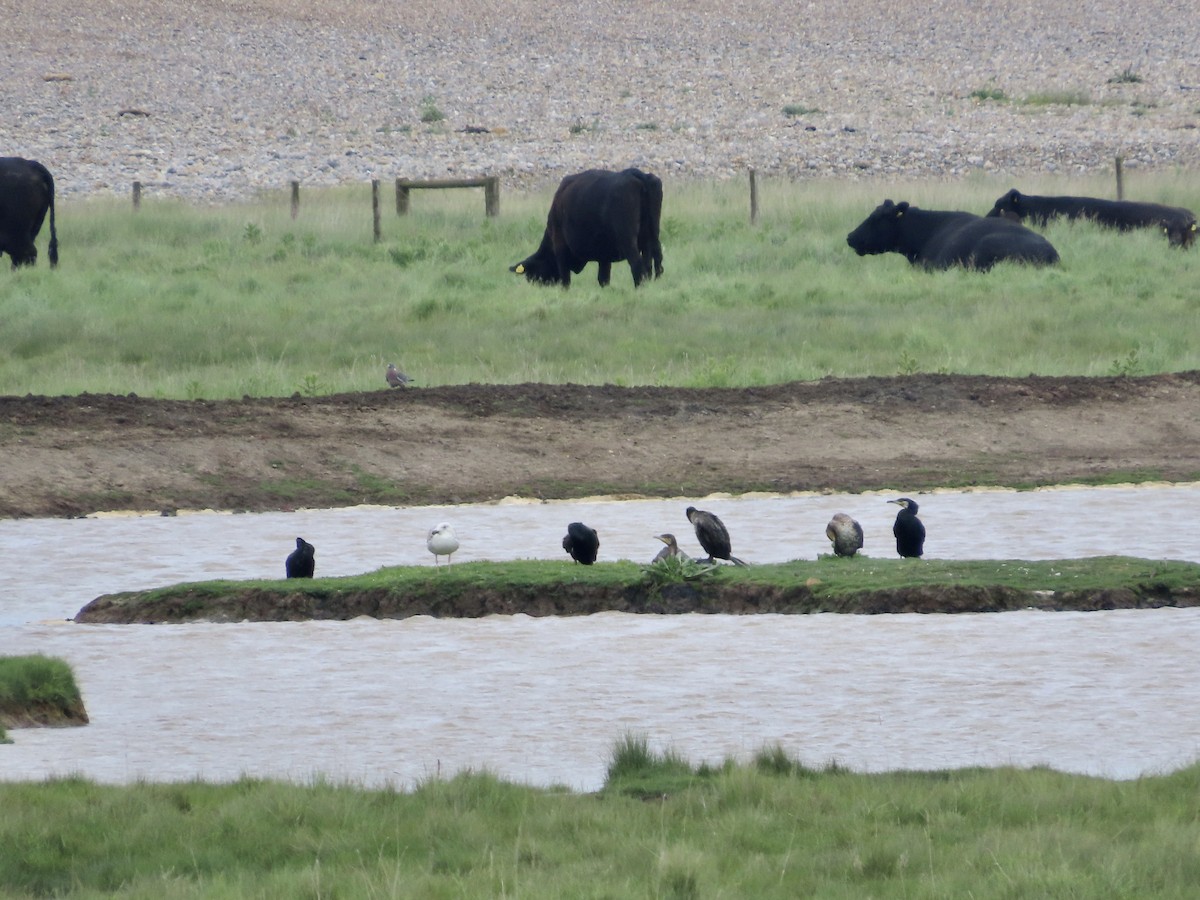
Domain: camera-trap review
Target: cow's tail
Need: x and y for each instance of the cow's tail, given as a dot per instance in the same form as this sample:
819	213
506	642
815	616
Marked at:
48	180
651	215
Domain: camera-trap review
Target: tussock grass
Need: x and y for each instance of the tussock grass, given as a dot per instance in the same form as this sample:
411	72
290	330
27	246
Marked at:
36	688
191	302
776	827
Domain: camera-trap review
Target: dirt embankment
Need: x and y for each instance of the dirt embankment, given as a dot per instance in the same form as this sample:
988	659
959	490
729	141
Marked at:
575	598
70	456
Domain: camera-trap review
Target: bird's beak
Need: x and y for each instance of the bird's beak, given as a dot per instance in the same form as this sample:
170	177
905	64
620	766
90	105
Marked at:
897	502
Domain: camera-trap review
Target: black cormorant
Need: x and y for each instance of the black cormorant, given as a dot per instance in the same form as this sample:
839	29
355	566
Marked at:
582	543
301	562
846	534
442	541
909	532
712	535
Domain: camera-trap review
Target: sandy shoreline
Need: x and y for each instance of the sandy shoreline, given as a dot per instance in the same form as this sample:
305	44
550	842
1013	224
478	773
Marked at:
220	100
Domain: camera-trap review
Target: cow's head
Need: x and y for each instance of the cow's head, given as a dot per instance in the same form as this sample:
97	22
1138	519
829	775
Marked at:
880	231
1009	206
541	268
1180	233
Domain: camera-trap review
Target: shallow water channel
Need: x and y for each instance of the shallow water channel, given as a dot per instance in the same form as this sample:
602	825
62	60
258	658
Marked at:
544	700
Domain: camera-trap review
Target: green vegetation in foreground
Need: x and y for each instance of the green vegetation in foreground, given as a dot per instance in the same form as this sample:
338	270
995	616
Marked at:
661	827
37	690
188	302
828	584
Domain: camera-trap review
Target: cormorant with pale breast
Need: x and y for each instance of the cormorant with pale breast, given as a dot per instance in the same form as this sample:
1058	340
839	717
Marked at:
712	535
908	529
671	549
301	562
846	534
582	543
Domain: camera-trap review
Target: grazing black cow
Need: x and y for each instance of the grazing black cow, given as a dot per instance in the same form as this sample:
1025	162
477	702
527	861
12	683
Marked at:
26	192
1177	223
602	217
938	240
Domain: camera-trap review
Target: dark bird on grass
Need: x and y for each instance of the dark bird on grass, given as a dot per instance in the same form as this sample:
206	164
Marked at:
908	529
712	535
301	562
670	550
846	534
396	378
442	541
582	543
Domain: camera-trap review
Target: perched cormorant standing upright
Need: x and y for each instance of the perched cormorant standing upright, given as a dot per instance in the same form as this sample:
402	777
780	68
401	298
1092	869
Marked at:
582	543
846	534
301	562
442	541
712	535
908	529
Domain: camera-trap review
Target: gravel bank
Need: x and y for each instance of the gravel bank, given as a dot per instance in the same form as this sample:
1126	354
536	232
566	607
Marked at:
215	101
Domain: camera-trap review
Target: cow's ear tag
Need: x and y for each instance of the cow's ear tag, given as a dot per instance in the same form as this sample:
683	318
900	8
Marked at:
520	270
1193	226
899	214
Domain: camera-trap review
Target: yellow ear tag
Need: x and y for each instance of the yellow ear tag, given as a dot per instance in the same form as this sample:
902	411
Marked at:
1193	226
520	270
899	214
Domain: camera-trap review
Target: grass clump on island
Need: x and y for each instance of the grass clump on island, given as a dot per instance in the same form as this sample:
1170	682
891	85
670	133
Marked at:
38	690
543	587
773	826
195	302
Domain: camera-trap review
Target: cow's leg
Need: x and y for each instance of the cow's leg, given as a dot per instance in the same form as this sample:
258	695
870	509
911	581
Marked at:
23	256
604	273
637	266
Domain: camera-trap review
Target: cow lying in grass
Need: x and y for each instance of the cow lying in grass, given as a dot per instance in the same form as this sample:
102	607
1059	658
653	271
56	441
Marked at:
937	239
1177	223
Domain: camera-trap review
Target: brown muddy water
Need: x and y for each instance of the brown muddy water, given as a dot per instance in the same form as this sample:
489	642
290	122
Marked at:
544	700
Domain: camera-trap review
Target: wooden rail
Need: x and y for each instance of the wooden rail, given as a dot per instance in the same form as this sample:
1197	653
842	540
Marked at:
489	183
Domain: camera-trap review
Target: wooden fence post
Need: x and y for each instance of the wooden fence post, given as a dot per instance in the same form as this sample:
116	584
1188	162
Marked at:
753	197
402	196
295	199
491	196
375	208
137	196
1120	179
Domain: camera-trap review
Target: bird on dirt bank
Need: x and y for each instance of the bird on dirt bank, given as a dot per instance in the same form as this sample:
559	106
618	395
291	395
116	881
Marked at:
442	541
396	378
301	562
670	550
908	529
846	534
582	543
712	535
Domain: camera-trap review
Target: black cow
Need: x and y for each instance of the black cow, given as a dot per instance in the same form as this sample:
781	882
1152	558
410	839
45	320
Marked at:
937	239
26	192
1178	224
602	217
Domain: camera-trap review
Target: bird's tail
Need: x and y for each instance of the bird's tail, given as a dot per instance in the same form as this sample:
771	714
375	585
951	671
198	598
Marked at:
738	562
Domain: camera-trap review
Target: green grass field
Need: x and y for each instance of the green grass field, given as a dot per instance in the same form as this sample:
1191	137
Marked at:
660	827
191	301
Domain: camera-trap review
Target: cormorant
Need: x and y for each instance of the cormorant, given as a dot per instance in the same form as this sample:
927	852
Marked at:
671	549
846	534
442	542
712	535
300	562
582	543
396	378
908	529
